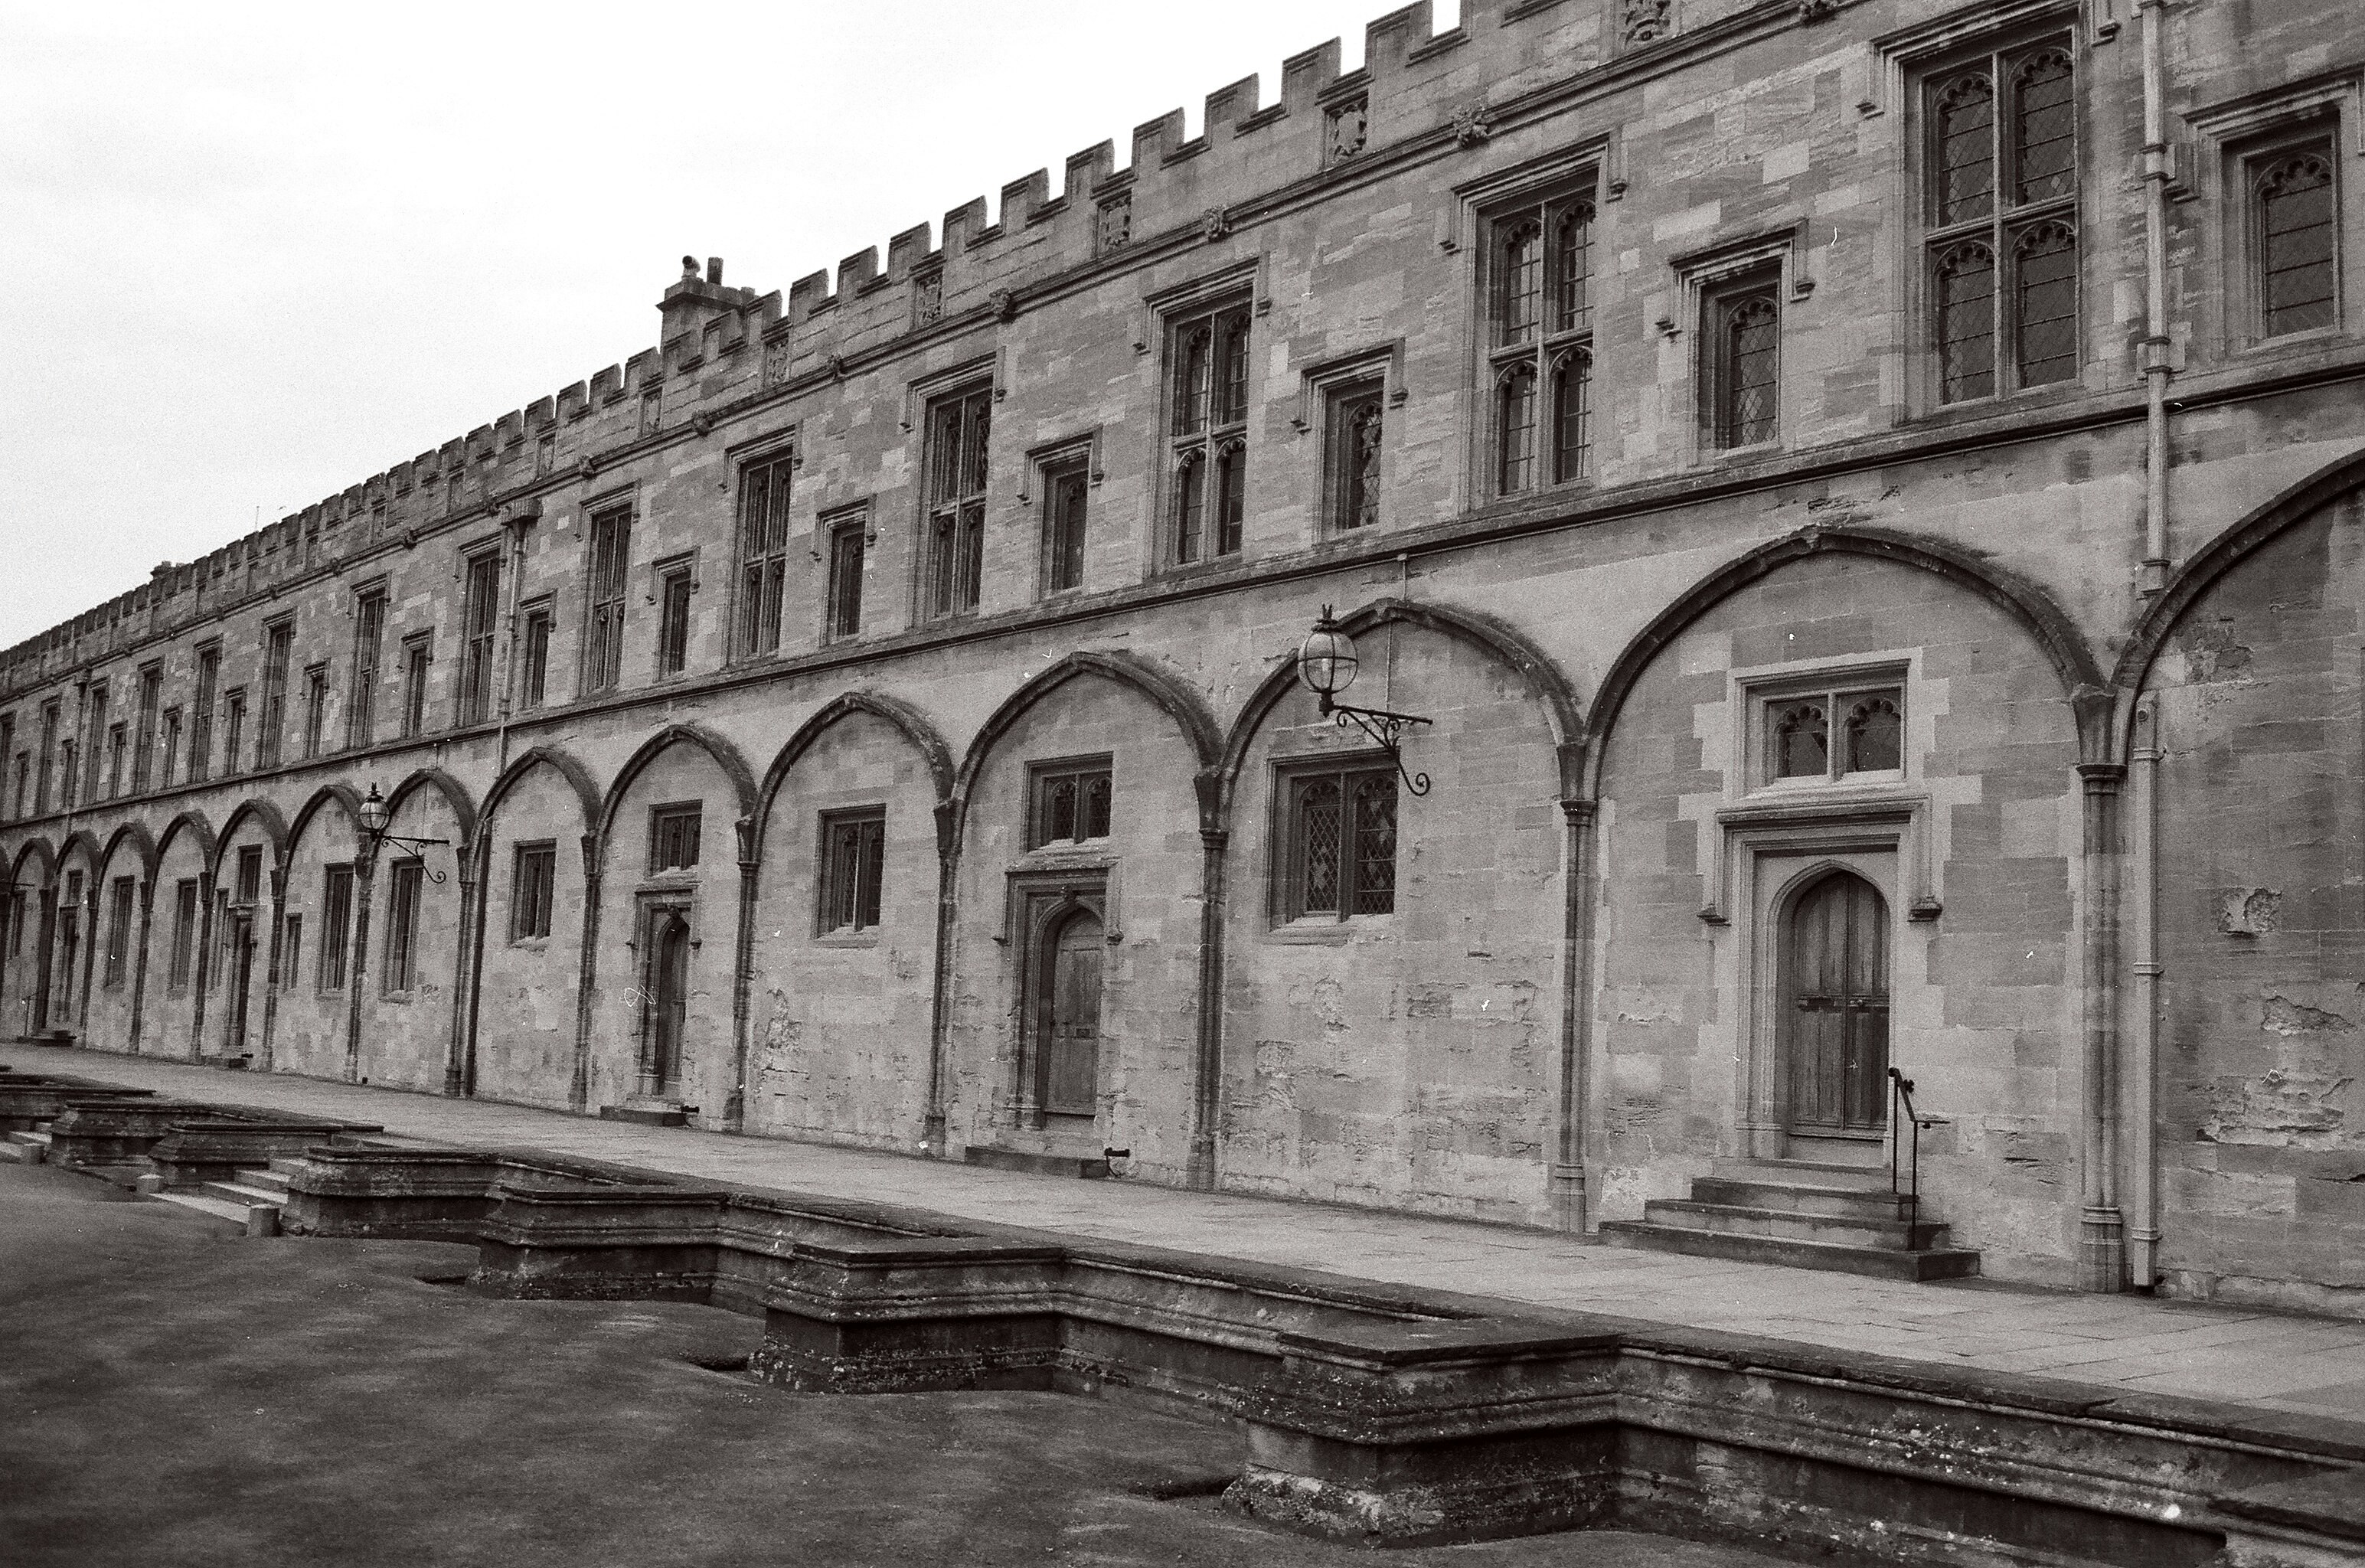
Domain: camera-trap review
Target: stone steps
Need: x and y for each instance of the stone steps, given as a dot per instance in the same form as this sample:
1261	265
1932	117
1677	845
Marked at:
1881	1262
250	1199
1041	1162
1806	1214
27	1147
1849	1230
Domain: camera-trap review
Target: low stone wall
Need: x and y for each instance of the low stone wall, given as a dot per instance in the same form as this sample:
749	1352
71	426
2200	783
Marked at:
1394	1417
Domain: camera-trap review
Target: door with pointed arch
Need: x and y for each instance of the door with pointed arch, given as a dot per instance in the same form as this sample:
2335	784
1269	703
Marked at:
665	998
1067	1020
1833	1011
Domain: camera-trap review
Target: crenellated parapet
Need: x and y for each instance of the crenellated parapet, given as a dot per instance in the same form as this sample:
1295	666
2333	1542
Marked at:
721	346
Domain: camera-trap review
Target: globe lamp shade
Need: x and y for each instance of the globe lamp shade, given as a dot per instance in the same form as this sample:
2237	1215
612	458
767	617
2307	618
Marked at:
374	813
1326	662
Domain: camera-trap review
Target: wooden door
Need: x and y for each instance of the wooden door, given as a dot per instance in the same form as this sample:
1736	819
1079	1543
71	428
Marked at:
1070	1041
241	980
669	1000
1835	1008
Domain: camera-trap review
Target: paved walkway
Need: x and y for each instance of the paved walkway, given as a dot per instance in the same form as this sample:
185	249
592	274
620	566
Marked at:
2271	1360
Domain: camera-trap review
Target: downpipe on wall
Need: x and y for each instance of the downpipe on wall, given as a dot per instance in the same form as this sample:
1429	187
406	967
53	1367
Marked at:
2143	1068
2157	171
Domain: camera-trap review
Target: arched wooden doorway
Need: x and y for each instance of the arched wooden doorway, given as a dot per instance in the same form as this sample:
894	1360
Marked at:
1068	1021
1834	1008
666	993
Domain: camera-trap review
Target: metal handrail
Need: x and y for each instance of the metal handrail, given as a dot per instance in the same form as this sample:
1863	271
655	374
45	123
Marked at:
1900	1092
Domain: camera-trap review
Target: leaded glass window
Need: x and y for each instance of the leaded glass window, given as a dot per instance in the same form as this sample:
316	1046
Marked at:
1540	257
763	550
1070	803
957	428
1355	424
1209	354
1339	857
853	867
1831	735
2293	215
1747	379
2001	214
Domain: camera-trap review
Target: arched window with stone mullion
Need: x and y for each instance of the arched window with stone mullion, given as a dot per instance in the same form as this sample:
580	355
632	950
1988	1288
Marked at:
1540	295
2002	278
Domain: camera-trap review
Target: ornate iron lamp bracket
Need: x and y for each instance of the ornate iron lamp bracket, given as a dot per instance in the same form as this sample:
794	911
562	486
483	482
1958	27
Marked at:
1386	731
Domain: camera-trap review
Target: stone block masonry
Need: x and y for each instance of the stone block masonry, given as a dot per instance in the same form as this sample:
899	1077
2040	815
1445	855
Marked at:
736	696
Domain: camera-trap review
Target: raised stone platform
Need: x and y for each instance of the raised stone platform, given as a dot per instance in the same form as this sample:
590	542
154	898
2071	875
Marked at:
1390	1416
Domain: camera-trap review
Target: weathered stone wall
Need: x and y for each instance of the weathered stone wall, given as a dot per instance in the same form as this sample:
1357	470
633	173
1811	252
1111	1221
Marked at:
840	1025
2261	911
1983	997
1414	1059
1408	1058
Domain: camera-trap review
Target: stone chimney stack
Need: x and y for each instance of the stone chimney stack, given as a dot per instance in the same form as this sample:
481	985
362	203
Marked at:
693	301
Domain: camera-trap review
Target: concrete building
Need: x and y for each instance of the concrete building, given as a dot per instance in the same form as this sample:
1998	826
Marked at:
1865	497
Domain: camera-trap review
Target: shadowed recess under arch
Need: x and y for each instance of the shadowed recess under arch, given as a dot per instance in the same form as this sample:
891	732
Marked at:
1497	639
266	816
725	756
577	777
2044	622
1180	703
900	716
192	821
2210	565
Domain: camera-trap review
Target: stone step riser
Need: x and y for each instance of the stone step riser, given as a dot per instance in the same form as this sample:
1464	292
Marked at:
1877	1261
1803	1173
1839	1201
1848	1232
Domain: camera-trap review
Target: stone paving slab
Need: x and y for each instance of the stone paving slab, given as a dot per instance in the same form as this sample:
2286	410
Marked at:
2241	1355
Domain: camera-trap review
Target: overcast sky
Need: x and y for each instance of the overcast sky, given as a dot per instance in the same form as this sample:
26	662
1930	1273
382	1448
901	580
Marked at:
251	254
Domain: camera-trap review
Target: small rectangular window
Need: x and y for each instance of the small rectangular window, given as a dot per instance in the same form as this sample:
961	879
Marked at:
336	923
674	588
402	925
533	672
1338	850
672	838
1068	802
418	657
168	751
847	543
1065	489
611	557
1741	354
118	752
369	632
95	719
958	428
2295	226
481	608
185	933
233	729
531	887
1828	734
250	873
316	708
853	850
1351	434
119	929
763	550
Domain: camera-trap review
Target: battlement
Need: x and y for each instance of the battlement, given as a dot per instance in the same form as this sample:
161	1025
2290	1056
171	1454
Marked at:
1416	83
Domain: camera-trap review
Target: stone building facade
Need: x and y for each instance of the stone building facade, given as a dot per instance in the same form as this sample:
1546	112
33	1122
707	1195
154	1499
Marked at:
1866	496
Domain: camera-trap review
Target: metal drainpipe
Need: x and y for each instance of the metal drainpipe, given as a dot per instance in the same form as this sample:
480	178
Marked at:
2143	1072
2155	337
1568	1177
